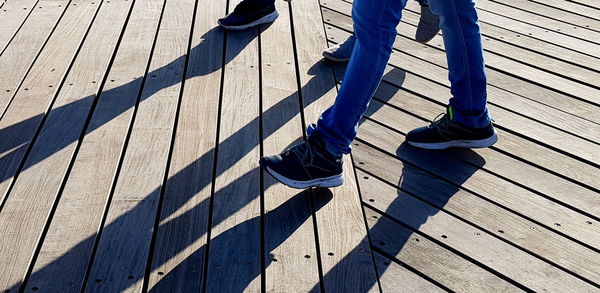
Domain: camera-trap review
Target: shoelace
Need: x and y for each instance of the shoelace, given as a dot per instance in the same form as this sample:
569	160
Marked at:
305	153
443	121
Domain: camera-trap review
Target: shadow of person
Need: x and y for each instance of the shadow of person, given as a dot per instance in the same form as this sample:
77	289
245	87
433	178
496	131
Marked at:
419	196
284	221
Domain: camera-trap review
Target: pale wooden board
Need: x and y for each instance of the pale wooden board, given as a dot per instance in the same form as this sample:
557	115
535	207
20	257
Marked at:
552	12
498	79
179	255
558	188
480	245
12	17
290	249
234	245
591	4
346	256
29	106
429	258
526	201
484	208
395	277
67	247
572	7
549	24
25	213
525	174
565	41
122	253
27	44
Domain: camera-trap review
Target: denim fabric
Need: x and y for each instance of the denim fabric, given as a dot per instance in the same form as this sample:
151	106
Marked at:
375	28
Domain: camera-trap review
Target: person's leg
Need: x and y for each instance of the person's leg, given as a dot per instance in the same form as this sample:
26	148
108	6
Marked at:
318	161
375	29
464	52
250	13
467	122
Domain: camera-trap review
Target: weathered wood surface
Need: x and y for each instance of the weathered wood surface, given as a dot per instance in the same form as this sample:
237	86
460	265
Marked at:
130	134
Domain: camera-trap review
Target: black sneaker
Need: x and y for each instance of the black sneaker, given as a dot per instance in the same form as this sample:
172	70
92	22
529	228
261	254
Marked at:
307	164
445	133
245	16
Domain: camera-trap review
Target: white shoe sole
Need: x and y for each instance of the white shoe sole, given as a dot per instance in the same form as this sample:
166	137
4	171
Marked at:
472	144
265	19
334	59
327	182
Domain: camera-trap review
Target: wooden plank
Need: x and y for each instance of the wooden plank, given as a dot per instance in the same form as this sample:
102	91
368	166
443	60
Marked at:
236	203
395	276
133	207
552	12
494	62
290	250
578	229
179	255
483	208
26	211
12	17
21	120
551	160
570	6
481	245
574	44
429	258
71	236
18	58
547	23
345	253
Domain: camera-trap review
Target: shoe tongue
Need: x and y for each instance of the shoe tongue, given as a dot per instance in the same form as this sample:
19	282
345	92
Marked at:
450	113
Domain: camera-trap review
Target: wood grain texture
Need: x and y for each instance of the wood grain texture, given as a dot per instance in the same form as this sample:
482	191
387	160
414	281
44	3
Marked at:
68	245
427	257
571	6
26	211
14	15
514	197
122	253
345	253
236	204
485	210
552	12
290	249
29	106
179	255
480	245
27	44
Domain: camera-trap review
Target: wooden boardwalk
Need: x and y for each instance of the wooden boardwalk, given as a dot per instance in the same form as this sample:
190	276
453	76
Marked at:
130	134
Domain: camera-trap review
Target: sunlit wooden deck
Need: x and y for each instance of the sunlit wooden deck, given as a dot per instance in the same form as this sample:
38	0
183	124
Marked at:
130	133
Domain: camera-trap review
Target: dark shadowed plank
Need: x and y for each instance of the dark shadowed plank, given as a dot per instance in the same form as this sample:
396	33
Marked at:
179	255
345	253
290	250
122	254
67	247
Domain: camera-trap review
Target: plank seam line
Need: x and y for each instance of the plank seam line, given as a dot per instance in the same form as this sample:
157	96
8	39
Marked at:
215	159
583	4
303	123
479	227
262	246
156	226
122	155
579	14
516	94
34	60
546	16
449	248
20	26
410	268
76	150
541	27
45	116
568	206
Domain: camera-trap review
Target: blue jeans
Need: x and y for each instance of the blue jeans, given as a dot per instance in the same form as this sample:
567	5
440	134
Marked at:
375	24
